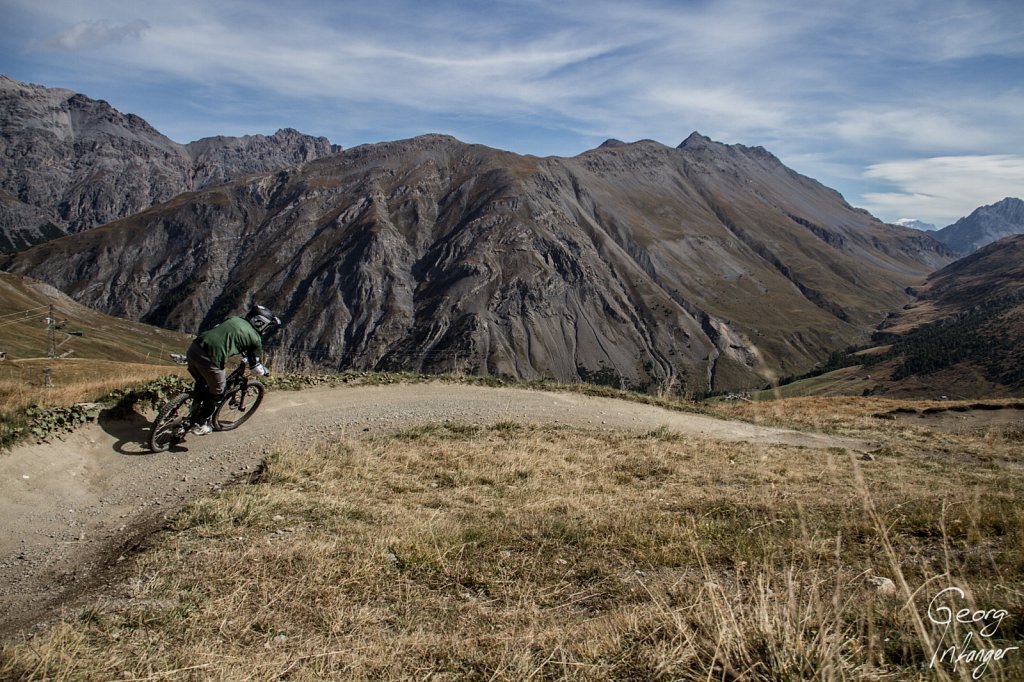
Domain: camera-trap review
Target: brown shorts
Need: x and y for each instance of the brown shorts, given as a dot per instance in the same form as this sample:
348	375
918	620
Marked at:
201	367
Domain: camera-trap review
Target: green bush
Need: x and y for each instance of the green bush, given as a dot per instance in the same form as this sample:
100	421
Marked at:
152	395
47	421
43	422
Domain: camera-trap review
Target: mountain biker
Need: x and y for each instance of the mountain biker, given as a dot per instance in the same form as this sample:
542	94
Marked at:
210	351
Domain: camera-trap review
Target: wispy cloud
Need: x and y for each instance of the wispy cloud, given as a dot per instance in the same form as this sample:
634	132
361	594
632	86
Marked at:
917	128
93	34
718	101
964	29
940	190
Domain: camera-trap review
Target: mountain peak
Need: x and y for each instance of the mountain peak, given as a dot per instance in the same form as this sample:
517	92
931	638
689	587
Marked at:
634	265
695	141
1010	206
698	142
984	225
122	165
613	143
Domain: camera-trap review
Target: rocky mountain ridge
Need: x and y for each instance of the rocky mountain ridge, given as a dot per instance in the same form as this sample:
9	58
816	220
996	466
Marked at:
985	225
70	163
703	267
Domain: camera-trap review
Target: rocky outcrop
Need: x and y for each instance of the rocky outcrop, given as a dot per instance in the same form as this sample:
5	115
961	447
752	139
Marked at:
708	266
22	225
69	163
216	160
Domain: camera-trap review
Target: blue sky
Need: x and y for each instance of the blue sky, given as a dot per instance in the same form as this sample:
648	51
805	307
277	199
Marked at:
909	108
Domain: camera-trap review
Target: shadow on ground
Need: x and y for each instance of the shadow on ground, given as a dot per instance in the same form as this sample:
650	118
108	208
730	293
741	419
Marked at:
131	431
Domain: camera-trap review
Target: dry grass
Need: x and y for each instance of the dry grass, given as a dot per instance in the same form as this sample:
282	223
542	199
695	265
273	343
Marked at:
81	331
513	552
23	382
846	415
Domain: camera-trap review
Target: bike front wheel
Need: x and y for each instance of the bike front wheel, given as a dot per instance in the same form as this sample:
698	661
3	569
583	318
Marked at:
237	406
171	423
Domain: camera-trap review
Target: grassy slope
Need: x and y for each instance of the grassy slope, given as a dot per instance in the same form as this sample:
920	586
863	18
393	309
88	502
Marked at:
23	332
510	552
110	354
977	376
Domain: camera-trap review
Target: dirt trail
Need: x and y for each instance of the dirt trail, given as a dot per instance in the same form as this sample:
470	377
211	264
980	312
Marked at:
70	509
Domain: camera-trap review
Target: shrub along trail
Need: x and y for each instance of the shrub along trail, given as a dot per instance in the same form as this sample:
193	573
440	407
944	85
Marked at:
70	509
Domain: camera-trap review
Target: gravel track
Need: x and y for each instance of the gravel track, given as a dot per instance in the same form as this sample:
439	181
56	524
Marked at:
71	509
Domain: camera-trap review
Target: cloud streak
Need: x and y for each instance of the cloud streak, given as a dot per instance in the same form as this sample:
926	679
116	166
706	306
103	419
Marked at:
92	35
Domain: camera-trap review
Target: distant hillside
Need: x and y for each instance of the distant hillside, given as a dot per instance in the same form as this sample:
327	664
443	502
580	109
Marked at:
69	163
984	226
80	332
962	336
703	267
990	277
965	331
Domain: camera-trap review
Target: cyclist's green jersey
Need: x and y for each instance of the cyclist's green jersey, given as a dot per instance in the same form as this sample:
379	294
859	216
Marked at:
231	337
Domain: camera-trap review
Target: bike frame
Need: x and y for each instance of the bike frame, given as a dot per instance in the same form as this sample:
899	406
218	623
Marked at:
237	398
237	378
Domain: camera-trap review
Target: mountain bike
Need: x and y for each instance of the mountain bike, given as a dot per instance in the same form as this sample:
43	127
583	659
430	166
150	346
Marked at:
242	396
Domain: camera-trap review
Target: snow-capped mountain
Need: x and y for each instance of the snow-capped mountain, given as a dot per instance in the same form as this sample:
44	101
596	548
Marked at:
916	224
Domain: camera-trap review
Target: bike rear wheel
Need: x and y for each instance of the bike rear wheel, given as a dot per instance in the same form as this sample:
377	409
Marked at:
171	423
237	406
